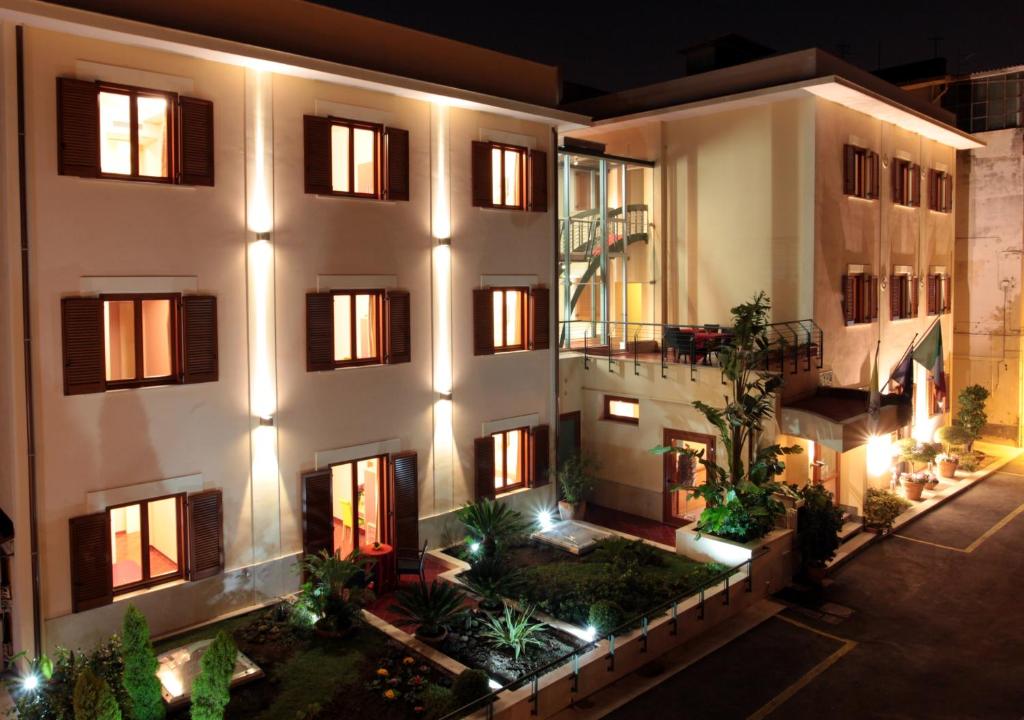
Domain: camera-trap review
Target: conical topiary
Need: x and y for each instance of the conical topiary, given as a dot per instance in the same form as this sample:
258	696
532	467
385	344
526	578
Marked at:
140	666
92	698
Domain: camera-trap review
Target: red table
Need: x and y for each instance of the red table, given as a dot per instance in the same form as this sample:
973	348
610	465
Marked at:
384	567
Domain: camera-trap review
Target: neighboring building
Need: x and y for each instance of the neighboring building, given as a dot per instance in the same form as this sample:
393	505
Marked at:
799	175
262	287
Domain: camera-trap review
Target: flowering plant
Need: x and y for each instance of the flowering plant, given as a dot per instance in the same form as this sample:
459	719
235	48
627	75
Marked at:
401	677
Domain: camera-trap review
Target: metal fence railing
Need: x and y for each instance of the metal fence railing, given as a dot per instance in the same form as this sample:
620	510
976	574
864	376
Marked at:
641	621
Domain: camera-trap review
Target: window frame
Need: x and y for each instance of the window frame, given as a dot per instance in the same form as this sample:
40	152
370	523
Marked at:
866	171
133	93
940	191
523	153
904	284
524	459
609	415
865	308
941	302
379	296
147	580
378	156
175	378
523	305
909	173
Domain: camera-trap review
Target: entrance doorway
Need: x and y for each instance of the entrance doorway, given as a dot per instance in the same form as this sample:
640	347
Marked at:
356	489
569	438
679	509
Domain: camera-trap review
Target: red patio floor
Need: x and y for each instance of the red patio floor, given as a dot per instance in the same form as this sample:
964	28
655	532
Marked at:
631	524
380	607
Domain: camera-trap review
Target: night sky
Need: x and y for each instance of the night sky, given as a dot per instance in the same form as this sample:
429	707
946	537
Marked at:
641	43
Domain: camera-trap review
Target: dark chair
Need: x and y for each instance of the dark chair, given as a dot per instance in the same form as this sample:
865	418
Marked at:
681	341
410	561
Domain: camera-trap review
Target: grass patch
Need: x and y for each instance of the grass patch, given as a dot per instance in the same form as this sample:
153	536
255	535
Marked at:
315	675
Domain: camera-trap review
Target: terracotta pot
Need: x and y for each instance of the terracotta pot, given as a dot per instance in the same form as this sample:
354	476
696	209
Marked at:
932	484
947	468
913	489
568	511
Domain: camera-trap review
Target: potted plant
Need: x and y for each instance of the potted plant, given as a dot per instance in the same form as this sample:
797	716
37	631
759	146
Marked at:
953	439
576	482
920	456
881	508
334	592
818	527
970	413
432	608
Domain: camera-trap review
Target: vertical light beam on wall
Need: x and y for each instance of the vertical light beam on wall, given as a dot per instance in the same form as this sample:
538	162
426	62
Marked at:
441	303
265	487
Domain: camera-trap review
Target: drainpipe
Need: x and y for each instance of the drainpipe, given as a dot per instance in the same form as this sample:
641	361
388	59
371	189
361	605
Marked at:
26	324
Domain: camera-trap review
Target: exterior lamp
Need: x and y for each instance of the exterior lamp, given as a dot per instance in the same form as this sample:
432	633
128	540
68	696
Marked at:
474	547
267	420
30	683
545	520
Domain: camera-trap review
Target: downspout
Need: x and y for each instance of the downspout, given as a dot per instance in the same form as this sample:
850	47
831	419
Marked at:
26	323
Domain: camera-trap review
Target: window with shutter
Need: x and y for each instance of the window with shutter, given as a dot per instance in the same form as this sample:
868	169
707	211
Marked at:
199	338
206	534
481	174
404	473
82	341
78	128
353	158
540	318
540	451
500	178
147	543
196	129
399	327
317	513
483	321
860	172
91	577
940	191
906	183
142	334
484	467
511	459
396	161
316	146
859	298
538	174
319	331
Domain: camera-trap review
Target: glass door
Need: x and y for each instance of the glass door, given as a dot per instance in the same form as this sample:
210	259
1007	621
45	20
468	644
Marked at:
680	507
355	498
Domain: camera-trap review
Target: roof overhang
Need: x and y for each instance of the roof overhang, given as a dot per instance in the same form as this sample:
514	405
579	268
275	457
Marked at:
842	431
33	13
833	88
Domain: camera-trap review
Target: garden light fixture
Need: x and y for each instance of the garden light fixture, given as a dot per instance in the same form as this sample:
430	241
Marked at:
474	547
545	520
30	682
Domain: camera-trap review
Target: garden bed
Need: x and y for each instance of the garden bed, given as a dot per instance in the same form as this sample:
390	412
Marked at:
313	678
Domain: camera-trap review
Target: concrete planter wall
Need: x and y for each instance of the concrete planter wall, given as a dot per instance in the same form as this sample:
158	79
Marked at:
708	548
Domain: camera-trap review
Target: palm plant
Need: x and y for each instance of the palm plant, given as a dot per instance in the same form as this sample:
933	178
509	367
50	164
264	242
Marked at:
491	524
433	607
492	580
514	630
334	591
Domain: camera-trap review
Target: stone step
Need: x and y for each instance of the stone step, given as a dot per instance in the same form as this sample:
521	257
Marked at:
849	530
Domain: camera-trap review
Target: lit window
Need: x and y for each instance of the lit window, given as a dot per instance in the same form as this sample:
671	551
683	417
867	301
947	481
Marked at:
622	409
509	310
356	496
860	172
906	183
355	155
508	173
139	338
357	327
134	146
145	542
510	459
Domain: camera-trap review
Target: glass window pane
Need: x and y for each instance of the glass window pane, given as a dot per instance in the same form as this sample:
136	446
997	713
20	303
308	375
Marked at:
157	340
364	157
163	537
513	173
499	325
496	176
621	408
115	133
342	327
344	520
339	158
499	457
119	337
513	455
513	318
368	484
152	114
126	544
366	326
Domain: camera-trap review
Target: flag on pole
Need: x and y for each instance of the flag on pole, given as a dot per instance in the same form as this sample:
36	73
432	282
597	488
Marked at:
874	396
903	376
929	354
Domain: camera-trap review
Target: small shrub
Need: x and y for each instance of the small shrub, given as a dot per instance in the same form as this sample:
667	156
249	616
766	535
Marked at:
576	478
54	699
140	666
212	689
514	631
818	525
335	590
93	699
492	580
605	616
881	507
437	701
433	607
970	461
621	552
953	438
470	685
970	414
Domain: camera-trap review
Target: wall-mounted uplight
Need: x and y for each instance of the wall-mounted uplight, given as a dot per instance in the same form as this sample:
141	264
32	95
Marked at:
445	395
267	420
263	236
444	241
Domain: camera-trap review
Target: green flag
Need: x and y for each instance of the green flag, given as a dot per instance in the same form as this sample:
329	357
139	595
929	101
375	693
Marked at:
929	354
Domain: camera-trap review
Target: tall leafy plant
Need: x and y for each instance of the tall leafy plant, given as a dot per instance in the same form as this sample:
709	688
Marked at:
140	666
970	413
515	630
491	524
739	496
818	526
212	689
576	478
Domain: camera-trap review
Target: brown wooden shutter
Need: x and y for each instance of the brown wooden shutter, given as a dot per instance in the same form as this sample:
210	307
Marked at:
932	295
947	202
871	288
538	176
319	331
850	170
317	513
317	153
540	318
195	122
78	128
396	163
934	183
915	185
895	297
399	328
205	534
484	460
482	196
897	181
872	168
405	475
540	451
915	295
947	293
199	338
82	341
92	576
849	300
483	321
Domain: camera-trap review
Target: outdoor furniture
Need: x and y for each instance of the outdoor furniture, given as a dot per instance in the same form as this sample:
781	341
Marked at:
410	561
681	340
383	568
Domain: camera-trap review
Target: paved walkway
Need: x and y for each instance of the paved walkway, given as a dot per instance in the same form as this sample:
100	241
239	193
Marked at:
928	623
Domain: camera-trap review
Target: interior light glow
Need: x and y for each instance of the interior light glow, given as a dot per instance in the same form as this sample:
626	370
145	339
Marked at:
879	454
